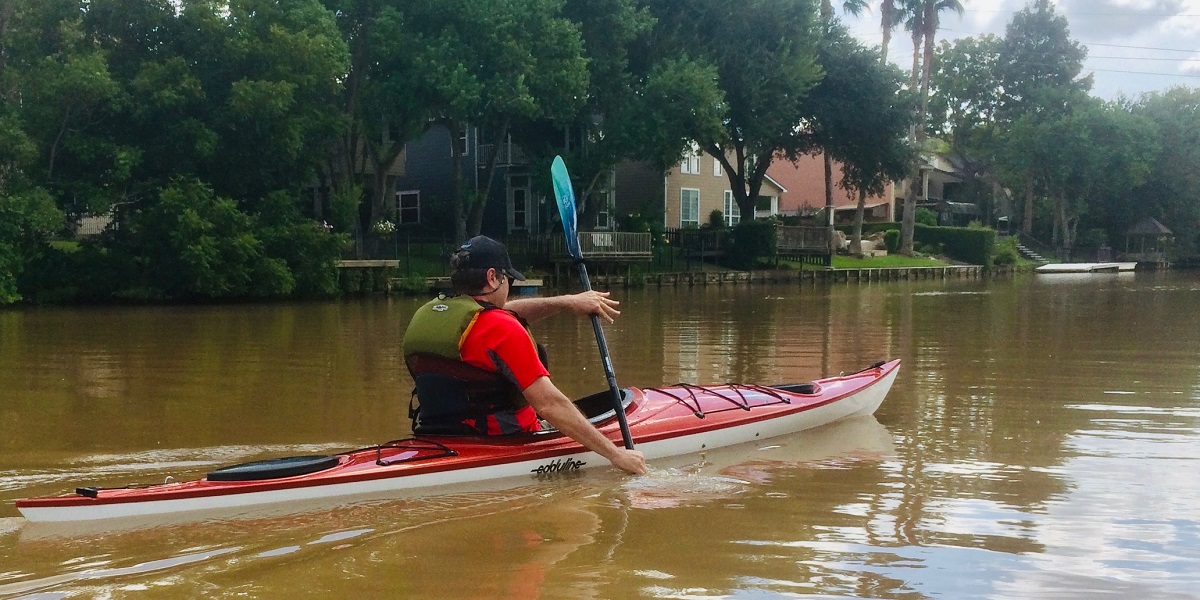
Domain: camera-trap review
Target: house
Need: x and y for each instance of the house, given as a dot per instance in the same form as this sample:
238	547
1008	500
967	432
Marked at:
936	191
805	195
514	208
688	192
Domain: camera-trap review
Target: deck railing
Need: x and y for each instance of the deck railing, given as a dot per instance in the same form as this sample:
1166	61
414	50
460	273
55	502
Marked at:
509	154
793	239
607	245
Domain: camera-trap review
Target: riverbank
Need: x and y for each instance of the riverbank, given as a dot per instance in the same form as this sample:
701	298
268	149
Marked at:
733	278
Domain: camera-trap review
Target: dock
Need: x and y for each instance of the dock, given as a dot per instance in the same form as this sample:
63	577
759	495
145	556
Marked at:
1105	267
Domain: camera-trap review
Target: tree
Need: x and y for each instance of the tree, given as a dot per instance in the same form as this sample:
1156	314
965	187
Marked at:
890	17
1173	194
386	100
495	64
122	100
967	90
765	56
924	20
864	115
1037	58
858	116
850	7
645	102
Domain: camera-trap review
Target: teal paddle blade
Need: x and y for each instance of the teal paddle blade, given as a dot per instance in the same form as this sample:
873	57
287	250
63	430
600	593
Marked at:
565	195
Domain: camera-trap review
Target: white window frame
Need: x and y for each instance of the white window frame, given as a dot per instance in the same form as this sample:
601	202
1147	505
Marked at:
683	193
772	210
520	183
690	165
400	194
732	212
717	171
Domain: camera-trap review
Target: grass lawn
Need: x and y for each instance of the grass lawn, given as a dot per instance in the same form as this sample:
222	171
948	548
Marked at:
892	260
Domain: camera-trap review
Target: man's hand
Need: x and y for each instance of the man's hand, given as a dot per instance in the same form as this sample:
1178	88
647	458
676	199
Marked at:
552	405
593	302
630	461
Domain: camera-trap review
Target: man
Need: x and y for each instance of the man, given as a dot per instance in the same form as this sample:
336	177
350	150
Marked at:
476	367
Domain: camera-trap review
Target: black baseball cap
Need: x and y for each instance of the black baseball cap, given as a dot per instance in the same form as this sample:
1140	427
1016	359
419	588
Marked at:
482	252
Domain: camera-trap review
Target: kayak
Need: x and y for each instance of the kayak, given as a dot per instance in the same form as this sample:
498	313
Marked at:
664	422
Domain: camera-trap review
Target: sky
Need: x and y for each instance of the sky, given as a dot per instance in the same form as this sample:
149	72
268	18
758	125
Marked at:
1134	46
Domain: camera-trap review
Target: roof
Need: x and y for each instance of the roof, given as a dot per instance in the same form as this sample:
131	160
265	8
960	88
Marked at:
1149	226
867	206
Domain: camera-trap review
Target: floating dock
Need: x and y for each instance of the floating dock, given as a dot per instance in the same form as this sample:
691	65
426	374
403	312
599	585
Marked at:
1108	267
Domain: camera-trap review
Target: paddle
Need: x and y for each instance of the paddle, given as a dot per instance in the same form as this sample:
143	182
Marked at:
565	195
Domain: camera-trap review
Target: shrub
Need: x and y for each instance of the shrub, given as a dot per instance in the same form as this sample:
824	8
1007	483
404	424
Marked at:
751	240
716	219
891	237
194	243
1006	252
974	246
924	216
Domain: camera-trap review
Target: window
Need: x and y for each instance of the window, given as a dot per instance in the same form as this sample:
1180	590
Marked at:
603	219
408	207
717	172
690	164
765	206
463	143
733	213
689	208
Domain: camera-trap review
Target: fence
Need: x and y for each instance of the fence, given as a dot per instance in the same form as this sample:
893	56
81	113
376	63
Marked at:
607	246
430	255
805	244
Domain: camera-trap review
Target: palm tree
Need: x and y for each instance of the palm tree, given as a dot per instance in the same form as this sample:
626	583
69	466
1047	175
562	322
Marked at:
922	19
853	7
890	19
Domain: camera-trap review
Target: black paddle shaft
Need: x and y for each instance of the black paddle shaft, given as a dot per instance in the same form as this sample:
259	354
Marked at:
604	358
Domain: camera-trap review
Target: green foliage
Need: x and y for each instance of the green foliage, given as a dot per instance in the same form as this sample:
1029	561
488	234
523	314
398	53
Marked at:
751	240
891	237
974	246
27	219
196	244
716	219
1006	252
308	249
859	115
1172	195
924	216
765	56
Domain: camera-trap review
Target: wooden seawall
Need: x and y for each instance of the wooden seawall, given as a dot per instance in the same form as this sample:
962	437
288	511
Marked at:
706	278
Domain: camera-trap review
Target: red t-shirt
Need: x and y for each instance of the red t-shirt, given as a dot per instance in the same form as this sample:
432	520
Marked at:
497	341
497	336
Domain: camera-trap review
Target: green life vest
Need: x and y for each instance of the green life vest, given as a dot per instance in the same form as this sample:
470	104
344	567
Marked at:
448	390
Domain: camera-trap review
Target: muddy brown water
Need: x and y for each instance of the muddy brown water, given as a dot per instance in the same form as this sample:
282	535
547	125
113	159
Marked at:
1042	441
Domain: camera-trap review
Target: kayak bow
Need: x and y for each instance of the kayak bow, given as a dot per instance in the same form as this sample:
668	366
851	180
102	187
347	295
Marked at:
669	421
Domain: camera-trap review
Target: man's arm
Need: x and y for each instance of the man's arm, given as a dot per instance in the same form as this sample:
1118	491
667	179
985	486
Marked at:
554	406
582	304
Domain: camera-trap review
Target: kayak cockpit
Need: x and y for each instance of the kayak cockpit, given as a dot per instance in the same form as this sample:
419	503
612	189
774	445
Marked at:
596	407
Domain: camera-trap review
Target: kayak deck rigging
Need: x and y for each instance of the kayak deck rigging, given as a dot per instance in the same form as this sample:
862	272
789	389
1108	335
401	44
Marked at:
692	400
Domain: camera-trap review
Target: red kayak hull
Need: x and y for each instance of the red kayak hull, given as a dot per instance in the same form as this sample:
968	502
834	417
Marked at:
664	422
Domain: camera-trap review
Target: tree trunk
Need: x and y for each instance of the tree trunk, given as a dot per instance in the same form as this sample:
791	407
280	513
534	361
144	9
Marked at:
459	200
917	135
887	10
1027	218
481	197
829	202
908	226
856	240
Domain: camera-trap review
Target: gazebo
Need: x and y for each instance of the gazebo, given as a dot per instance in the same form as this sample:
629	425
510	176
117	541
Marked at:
1146	241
